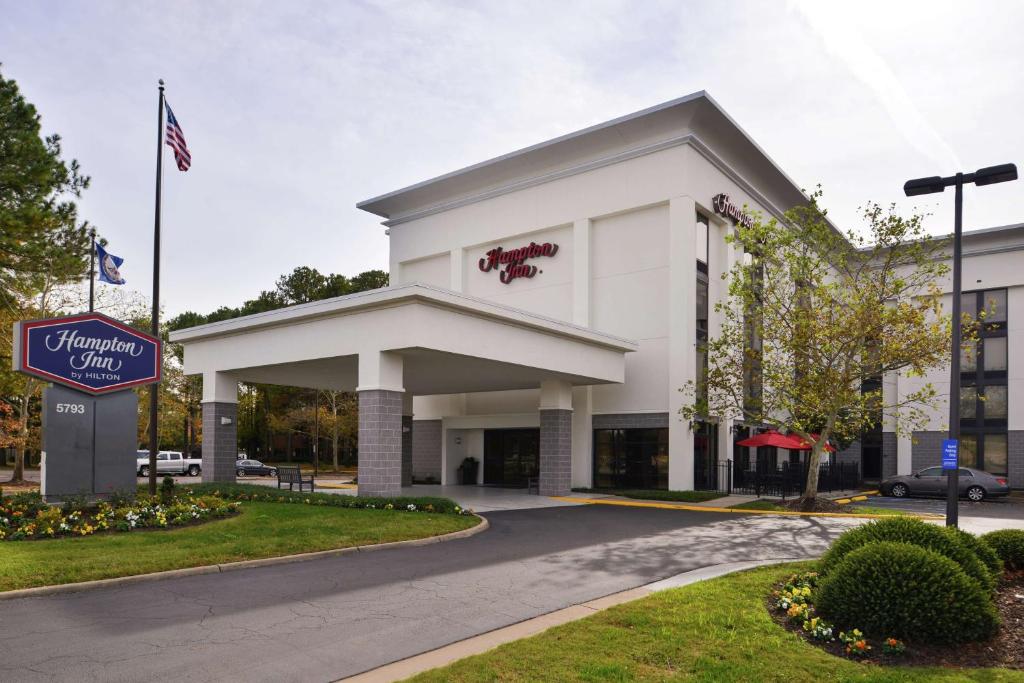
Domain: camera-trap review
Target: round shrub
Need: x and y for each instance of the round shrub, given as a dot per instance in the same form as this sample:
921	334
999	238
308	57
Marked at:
983	551
1008	544
904	591
942	540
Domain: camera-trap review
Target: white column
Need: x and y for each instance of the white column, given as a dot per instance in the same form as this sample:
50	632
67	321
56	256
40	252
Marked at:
220	428
381	403
582	437
220	387
581	272
682	337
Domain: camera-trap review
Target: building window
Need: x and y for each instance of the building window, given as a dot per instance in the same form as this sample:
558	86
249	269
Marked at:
631	458
753	352
984	405
702	236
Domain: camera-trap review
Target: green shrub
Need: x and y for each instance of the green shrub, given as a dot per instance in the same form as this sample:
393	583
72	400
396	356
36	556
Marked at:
983	551
1008	544
942	540
241	492
167	490
908	592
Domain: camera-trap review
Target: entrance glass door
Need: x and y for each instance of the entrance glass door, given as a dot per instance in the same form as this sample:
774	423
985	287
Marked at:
511	456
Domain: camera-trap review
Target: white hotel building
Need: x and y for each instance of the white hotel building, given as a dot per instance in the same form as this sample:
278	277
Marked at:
546	307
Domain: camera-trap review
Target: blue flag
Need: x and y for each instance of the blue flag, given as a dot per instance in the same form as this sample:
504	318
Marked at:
109	265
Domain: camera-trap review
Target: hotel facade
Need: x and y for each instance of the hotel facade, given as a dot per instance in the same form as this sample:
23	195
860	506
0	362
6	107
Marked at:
547	306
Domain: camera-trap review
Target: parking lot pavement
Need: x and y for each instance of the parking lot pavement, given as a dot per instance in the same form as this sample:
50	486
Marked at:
998	513
328	618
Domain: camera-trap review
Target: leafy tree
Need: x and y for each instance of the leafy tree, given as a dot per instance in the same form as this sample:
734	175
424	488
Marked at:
831	313
43	246
265	409
40	236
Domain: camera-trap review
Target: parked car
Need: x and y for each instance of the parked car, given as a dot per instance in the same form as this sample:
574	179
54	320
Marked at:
169	462
974	484
254	467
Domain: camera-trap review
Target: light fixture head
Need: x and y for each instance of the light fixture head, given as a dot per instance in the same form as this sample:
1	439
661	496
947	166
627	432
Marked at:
995	174
919	186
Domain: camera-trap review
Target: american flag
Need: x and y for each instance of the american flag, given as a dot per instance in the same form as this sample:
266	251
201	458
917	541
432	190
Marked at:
176	139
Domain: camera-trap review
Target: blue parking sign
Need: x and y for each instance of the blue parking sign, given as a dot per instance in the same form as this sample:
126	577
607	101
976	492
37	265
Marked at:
949	454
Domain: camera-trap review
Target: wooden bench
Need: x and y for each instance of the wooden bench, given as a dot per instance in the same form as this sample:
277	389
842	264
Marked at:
292	475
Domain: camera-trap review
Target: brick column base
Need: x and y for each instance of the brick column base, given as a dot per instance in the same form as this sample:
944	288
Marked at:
407	450
220	441
380	443
555	452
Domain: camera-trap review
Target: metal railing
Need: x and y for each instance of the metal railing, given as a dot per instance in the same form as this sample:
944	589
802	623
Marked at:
778	481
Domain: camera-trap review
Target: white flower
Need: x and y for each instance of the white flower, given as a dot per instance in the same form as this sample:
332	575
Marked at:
410	507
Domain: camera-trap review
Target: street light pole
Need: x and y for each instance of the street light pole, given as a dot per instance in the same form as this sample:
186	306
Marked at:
953	490
919	186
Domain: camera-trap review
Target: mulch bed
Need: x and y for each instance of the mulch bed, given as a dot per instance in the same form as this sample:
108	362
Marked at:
1006	649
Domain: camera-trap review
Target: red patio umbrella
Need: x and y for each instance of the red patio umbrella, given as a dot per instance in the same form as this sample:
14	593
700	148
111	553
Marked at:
773	437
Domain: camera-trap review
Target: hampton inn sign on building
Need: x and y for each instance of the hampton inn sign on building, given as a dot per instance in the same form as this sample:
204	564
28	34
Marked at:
546	306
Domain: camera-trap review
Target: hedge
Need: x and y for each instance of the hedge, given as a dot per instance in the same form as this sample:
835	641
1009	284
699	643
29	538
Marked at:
1008	544
947	542
908	592
243	492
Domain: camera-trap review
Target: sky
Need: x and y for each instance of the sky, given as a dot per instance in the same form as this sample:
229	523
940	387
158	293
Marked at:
294	111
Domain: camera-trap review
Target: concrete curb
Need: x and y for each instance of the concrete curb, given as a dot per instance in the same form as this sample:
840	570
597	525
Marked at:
234	566
738	511
442	656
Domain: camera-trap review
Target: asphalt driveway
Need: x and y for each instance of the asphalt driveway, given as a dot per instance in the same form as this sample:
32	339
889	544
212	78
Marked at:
329	618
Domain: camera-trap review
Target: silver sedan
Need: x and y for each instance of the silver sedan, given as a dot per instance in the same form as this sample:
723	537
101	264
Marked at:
975	485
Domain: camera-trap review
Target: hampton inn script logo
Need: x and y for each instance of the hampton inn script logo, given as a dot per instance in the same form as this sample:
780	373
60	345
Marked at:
514	260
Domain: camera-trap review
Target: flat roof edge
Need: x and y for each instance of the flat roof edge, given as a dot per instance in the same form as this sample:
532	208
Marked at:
391	295
365	205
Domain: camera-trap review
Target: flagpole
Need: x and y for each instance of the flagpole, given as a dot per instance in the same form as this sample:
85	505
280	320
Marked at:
92	266
154	389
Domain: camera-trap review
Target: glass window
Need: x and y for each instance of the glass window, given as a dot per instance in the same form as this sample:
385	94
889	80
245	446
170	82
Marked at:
995	403
964	473
994	303
968	403
968	450
995	454
631	458
701	239
969	304
702	310
969	357
161	456
931	472
995	354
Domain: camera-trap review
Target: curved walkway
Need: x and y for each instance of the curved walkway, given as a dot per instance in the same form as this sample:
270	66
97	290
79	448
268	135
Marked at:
326	619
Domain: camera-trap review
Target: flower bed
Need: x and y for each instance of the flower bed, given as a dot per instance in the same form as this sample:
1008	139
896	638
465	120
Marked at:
27	517
255	492
956	599
792	606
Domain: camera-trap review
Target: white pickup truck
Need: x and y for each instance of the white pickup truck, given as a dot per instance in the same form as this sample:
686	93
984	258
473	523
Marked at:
169	462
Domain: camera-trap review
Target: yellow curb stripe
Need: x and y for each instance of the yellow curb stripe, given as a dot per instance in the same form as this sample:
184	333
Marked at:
859	498
844	501
701	508
337	486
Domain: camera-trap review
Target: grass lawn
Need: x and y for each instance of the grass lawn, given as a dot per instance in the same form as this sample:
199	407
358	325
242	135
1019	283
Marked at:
659	494
717	630
260	530
850	509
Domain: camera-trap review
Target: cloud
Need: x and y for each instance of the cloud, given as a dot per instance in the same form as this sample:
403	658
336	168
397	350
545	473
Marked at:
840	35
